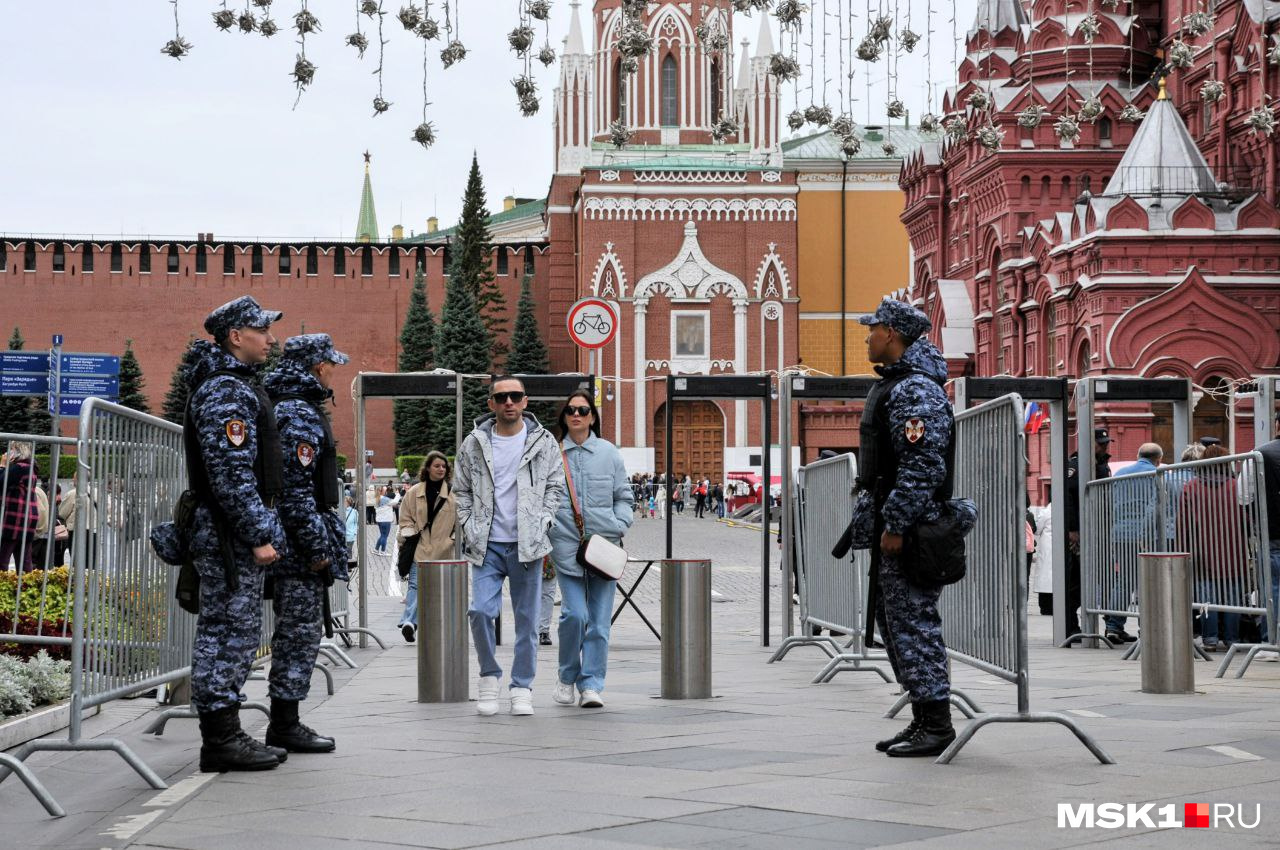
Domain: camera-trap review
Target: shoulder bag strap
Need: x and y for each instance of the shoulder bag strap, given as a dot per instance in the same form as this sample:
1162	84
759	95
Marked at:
573	497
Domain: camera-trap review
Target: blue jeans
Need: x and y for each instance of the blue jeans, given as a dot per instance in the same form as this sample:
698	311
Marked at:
1209	619
410	614
384	529
500	563
586	606
546	604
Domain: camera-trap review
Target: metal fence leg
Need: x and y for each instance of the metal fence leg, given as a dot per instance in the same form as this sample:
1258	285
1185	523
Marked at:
116	746
156	727
356	631
33	785
970	701
850	662
826	644
1034	717
1248	659
328	677
1198	650
903	699
1132	652
1083	636
330	650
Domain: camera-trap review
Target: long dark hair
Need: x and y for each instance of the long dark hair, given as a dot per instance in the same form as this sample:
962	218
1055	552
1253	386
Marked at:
424	474
562	423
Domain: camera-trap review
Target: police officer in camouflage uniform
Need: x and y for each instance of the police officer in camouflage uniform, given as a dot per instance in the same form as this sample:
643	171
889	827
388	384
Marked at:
905	434
299	387
233	463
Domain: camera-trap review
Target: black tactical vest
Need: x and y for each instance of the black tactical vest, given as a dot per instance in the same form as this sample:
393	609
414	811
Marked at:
326	478
268	465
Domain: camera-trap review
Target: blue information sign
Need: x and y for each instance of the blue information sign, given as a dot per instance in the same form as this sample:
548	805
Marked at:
24	384
77	385
25	361
57	339
70	405
107	365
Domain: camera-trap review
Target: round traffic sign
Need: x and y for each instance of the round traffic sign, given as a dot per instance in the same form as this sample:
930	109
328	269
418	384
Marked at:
592	323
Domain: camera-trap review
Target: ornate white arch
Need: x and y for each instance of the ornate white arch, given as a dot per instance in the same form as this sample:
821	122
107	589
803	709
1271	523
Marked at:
680	33
609	280
772	280
691	274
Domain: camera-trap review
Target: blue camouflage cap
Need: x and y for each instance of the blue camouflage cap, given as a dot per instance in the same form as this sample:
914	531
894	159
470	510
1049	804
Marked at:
900	316
310	349
243	312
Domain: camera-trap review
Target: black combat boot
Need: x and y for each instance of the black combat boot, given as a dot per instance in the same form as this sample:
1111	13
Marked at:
287	731
905	734
223	748
279	752
932	736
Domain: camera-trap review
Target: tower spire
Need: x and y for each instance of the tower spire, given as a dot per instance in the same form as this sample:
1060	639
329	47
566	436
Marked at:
367	226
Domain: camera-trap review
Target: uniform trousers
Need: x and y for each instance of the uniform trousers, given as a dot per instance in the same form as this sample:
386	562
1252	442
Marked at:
298	603
912	628
228	632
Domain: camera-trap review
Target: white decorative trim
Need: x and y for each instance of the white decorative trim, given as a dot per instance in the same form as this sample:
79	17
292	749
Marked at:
691	177
609	273
772	311
726	191
771	177
690	275
771	274
657	364
683	209
723	365
610	175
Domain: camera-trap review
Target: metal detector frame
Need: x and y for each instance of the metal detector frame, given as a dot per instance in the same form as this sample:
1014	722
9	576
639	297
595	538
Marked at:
737	387
430	385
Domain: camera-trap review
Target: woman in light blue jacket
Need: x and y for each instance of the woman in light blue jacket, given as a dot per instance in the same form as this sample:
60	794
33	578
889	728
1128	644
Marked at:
586	599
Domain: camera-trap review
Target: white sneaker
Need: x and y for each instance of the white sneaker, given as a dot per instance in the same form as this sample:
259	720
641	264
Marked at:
591	699
521	702
563	693
487	702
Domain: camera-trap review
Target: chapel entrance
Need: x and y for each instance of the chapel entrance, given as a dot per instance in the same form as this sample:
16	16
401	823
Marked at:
697	440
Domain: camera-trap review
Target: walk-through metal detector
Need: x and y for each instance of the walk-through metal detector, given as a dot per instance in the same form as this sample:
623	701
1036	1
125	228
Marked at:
796	388
1267	387
1090	392
1054	392
746	387
439	384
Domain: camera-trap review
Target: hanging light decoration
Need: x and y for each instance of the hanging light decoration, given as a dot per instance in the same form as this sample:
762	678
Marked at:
1089	28
819	115
990	136
869	50
723	129
1067	128
1212	91
1032	116
889	149
247	21
895	109
1199	22
268	27
425	134
410	16
304	71
1180	54
527	94
224	19
359	41
978	100
1090	109
784	67
305	22
547	55
850	146
1273	52
428	30
380	106
1262	120
619	135
844	125
1131	114
539	10
930	123
908	40
795	119
369	8
956	128
790	13
520	39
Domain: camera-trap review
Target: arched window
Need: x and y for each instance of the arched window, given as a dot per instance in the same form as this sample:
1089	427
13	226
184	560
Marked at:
1050	342
670	92
715	90
619	93
1104	129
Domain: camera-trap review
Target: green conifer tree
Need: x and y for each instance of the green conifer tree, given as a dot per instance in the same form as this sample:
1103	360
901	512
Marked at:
471	254
15	411
529	353
131	381
412	417
175	400
461	345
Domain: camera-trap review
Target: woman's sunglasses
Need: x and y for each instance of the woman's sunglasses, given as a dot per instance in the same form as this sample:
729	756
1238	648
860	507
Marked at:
574	410
503	398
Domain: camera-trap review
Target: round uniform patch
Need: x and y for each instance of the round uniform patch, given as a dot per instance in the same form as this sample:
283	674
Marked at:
306	453
236	432
914	429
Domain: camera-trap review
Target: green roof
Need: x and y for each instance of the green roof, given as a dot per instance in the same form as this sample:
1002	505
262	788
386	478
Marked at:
523	209
367	227
825	145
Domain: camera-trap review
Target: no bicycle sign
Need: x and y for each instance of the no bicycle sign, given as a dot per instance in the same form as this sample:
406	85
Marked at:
592	323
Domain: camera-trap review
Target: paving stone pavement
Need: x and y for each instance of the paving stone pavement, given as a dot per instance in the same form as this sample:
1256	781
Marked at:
770	761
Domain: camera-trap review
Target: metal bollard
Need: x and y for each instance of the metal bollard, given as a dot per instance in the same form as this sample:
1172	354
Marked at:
686	629
443	648
1164	601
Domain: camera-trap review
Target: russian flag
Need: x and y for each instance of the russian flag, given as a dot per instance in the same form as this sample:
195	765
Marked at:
1034	418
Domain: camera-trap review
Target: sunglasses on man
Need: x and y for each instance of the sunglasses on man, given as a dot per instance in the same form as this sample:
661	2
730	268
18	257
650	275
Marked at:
577	410
513	396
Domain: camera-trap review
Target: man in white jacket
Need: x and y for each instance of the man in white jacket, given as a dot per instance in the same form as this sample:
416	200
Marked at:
508	482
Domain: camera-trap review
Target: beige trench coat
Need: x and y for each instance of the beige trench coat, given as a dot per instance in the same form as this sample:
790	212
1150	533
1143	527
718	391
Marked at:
436	545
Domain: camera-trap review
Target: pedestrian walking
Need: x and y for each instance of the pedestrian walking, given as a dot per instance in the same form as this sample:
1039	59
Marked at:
300	387
1071	505
234	465
20	507
385	516
905	435
428	512
598	503
547	602
700	499
508	482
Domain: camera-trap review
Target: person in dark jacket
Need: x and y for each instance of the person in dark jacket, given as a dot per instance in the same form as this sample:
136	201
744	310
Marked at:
20	509
1101	469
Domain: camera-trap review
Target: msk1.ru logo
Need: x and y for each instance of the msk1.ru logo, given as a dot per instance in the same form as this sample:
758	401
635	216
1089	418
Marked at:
1134	815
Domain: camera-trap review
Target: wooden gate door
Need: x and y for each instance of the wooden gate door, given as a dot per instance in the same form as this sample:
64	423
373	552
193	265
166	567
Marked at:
697	440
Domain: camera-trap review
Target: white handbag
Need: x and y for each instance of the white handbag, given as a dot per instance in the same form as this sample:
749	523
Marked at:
595	553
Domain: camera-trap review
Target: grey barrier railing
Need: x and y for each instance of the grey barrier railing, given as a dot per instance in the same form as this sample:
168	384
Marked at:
984	616
831	589
1213	509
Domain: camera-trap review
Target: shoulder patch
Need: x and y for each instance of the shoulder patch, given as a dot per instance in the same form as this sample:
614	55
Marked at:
236	432
306	453
914	429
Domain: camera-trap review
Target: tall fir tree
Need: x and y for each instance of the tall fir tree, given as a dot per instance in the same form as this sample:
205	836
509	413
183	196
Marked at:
15	411
131	381
529	353
471	255
412	417
175	400
461	345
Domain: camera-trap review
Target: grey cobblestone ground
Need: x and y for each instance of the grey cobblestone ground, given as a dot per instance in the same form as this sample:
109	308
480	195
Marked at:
770	762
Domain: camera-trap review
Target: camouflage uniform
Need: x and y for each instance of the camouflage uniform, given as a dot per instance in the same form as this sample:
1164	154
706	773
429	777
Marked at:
316	533
224	412
918	419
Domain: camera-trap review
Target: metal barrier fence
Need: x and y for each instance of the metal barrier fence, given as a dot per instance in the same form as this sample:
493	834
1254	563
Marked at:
984	616
127	634
1214	509
831	589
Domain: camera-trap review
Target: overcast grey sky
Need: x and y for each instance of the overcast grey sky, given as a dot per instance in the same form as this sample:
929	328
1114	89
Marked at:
106	135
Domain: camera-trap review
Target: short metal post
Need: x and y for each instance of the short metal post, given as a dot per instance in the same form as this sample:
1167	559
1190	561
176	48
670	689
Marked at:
443	667
1164	600
686	629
